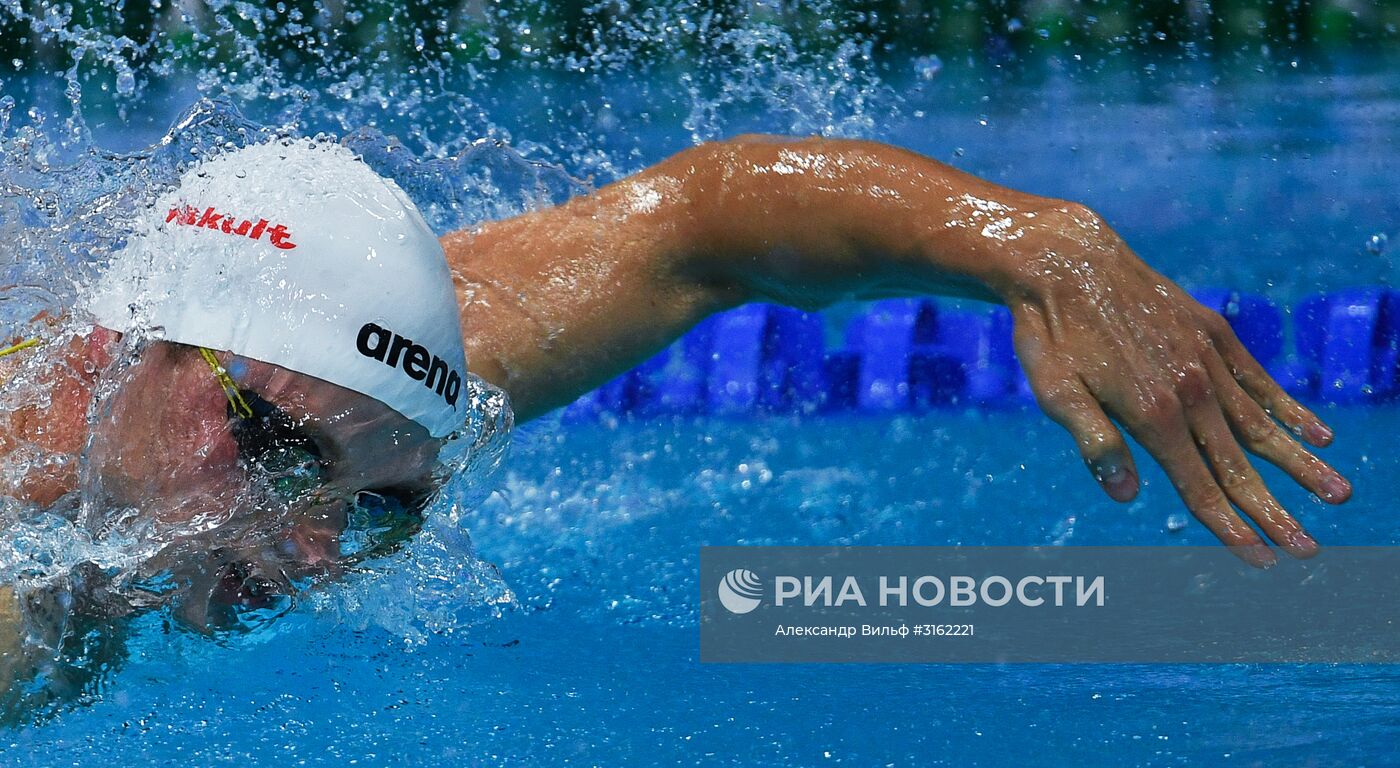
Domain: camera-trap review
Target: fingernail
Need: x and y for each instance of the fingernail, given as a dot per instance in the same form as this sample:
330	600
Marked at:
1120	483
1335	489
1301	544
1318	433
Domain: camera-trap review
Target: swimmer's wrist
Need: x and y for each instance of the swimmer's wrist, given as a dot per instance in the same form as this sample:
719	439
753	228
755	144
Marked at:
995	271
1059	244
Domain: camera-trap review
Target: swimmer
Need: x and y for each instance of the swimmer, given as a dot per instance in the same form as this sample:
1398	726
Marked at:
306	338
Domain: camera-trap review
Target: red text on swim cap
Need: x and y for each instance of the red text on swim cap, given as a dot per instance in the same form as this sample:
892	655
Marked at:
189	216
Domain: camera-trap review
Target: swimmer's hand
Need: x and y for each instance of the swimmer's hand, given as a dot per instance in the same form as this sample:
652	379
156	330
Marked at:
1104	338
559	301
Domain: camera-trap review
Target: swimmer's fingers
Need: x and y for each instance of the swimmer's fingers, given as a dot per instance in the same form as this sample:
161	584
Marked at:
1066	400
1242	485
1254	380
1262	436
1159	422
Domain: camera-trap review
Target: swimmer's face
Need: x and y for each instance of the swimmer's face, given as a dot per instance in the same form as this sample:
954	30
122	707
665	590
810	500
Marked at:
168	445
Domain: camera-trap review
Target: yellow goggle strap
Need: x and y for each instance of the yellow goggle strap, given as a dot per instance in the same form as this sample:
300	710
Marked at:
235	398
13	348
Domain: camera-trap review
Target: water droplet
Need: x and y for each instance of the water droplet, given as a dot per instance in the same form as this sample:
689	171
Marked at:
1375	244
1063	531
1014	26
493	53
928	67
1176	522
126	83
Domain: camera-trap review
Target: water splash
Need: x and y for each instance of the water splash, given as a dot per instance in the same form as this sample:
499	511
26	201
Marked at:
441	77
79	556
460	108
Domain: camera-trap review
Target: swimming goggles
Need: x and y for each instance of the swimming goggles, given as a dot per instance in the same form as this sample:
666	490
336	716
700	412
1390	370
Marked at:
280	453
246	595
275	449
269	441
267	438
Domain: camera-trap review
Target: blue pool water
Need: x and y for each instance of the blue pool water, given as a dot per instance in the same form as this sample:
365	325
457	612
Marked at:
555	623
597	531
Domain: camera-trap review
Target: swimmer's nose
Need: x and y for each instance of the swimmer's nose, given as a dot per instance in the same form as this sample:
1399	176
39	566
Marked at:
314	539
248	595
243	586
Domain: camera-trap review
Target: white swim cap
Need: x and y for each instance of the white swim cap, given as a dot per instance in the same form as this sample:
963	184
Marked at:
295	253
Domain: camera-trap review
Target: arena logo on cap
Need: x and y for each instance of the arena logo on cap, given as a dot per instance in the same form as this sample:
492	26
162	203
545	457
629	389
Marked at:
189	216
395	351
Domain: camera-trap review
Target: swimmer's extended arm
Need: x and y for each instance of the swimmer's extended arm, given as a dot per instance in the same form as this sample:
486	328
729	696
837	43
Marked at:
558	301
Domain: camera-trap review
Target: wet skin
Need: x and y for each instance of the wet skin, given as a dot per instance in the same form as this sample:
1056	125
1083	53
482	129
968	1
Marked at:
164	443
558	301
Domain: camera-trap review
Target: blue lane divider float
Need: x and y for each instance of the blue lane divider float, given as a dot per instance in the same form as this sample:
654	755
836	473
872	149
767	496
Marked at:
913	354
980	344
1258	323
1348	342
758	357
766	358
883	342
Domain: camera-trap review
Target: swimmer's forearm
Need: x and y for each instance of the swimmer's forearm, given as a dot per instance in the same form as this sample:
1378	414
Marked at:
811	221
557	301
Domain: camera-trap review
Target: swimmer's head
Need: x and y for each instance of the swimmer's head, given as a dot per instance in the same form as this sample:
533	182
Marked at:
295	253
316	479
